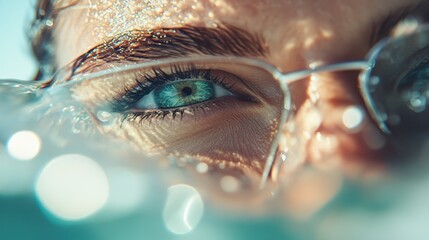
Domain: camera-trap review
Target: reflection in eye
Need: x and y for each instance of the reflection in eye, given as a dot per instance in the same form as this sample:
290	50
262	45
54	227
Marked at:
224	115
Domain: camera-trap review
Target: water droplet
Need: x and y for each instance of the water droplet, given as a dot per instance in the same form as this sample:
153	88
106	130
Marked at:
230	184
283	156
374	81
104	116
49	23
202	167
326	143
221	165
417	103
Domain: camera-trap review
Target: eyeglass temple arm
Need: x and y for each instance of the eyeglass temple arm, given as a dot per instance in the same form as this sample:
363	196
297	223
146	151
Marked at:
288	78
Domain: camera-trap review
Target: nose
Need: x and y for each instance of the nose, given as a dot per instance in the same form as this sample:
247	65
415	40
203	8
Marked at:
333	137
332	128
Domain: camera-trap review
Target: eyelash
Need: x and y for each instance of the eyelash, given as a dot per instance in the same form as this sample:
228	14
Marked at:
148	116
147	82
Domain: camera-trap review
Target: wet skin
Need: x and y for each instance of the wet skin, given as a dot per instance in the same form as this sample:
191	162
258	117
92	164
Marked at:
289	34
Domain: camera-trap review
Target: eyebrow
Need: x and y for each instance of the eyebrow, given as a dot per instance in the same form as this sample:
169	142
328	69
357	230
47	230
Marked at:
153	44
384	26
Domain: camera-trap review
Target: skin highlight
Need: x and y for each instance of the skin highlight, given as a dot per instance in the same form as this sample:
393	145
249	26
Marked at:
295	34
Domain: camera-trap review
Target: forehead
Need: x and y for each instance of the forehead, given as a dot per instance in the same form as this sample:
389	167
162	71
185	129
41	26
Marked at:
90	22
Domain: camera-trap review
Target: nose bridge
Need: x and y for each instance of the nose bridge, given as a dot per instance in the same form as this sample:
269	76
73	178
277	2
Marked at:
331	127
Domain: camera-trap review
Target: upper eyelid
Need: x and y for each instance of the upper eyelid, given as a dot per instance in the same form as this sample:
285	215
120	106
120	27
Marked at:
147	45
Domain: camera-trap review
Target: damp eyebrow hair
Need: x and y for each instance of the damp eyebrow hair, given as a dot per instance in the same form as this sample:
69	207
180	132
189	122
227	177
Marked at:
146	45
383	26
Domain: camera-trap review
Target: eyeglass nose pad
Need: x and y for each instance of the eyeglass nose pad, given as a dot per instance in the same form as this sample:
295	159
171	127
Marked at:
289	154
366	81
285	149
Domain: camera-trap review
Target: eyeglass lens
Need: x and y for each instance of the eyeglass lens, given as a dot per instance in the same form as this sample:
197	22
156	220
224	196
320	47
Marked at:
222	118
397	84
223	115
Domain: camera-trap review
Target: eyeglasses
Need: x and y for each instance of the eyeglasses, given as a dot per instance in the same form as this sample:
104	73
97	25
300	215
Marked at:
224	115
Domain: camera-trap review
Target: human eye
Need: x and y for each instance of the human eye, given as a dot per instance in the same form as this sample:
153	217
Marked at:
400	83
412	87
181	93
181	88
414	78
220	114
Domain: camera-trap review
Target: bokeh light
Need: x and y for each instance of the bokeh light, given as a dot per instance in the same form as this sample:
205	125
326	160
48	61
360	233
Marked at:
353	117
183	209
229	184
24	145
202	167
72	187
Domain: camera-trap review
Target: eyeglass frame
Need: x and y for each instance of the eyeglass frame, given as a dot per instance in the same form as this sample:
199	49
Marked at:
65	76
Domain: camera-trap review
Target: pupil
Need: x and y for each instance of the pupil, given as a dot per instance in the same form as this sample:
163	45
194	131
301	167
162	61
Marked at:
186	91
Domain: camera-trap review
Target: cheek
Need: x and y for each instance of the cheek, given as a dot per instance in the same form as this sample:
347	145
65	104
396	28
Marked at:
239	135
235	129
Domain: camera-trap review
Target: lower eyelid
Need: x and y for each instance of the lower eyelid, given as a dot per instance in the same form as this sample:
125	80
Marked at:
201	112
191	120
246	105
201	130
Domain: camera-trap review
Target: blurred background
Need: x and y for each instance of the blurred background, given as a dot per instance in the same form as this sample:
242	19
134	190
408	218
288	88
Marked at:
393	208
16	61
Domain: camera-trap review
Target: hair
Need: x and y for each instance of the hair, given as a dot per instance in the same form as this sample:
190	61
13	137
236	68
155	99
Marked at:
40	35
